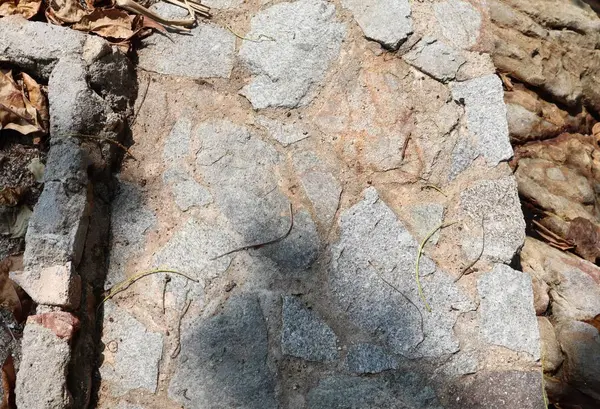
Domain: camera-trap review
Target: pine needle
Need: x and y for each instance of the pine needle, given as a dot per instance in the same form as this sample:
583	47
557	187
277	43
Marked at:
419	253
125	284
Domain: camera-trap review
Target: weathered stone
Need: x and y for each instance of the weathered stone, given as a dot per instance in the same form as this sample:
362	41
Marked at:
486	116
286	71
177	144
130	220
186	190
58	285
461	363
223	4
132	352
321	187
283	133
125	405
498	389
459	21
507	315
495	205
552	356
304	334
369	358
387	22
426	217
42	377
402	391
223	360
398	320
192	249
464	153
580	343
573	282
435	58
74	107
206	52
57	229
63	324
66	163
541	298
40	56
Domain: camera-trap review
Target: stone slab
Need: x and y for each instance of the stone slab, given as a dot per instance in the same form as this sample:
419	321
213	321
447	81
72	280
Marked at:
436	59
459	22
369	359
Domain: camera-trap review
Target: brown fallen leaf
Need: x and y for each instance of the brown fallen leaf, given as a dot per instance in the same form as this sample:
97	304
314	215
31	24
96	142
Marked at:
9	298
8	384
16	111
11	196
109	23
65	11
25	8
38	99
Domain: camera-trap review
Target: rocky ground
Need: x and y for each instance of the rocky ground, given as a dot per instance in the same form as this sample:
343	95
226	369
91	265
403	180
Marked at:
289	166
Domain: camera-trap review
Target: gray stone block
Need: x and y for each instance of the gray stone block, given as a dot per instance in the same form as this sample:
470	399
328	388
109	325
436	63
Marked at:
506	309
58	285
207	51
459	21
398	319
424	218
42	377
57	228
285	134
369	358
486	116
67	163
388	22
496	205
132	352
177	144
307	38
436	59
223	360
304	334
186	191
36	46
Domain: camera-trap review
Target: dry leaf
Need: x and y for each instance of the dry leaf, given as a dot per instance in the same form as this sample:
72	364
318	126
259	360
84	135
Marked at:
8	384
11	196
65	11
142	22
9	298
16	111
108	23
25	8
37	98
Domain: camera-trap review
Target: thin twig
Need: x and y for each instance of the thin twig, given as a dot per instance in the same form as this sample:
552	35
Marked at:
266	243
259	39
183	312
137	112
404	147
167	280
104	139
419	253
434	187
124	285
471	264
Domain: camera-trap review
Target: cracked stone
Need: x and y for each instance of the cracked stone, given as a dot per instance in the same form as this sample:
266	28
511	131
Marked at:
177	144
507	315
495	205
132	362
426	217
207	51
285	134
398	320
483	98
286	71
223	360
459	21
305	335
368	358
436	59
186	190
386	21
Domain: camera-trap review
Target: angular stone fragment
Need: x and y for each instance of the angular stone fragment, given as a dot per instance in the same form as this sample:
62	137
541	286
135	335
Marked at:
177	144
63	324
552	356
507	315
305	335
66	163
186	190
495	205
42	377
425	218
40	56
223	360
58	285
436	59
459	21
397	319
206	52
486	116
307	38
369	358
57	229
386	21
132	352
